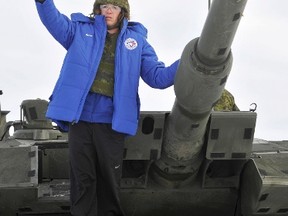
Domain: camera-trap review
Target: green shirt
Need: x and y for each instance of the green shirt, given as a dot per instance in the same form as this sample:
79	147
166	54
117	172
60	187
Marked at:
104	80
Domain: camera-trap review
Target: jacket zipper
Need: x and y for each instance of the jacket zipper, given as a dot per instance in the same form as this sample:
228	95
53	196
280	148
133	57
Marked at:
117	63
95	65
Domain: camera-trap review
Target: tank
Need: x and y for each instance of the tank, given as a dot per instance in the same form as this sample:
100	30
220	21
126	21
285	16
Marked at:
192	160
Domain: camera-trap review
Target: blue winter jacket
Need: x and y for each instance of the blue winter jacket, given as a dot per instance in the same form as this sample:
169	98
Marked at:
84	40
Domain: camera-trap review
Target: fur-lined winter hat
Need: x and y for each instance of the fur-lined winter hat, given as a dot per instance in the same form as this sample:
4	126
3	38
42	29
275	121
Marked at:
121	3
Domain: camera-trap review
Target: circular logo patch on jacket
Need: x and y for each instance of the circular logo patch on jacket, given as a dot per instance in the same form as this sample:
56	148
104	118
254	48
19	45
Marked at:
131	43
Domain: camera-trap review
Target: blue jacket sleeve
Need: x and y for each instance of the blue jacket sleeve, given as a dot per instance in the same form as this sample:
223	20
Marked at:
154	72
59	25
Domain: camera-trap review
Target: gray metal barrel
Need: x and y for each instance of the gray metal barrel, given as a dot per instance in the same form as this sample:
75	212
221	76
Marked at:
201	77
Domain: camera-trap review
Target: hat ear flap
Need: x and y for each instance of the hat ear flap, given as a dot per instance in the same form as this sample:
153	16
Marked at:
96	10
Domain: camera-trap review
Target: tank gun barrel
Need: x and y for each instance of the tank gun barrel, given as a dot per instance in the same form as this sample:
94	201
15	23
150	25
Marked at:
201	77
219	30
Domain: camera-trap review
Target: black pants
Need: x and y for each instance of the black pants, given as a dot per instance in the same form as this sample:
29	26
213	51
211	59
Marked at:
96	154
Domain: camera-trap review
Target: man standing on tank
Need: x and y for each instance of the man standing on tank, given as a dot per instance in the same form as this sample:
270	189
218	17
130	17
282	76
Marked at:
96	96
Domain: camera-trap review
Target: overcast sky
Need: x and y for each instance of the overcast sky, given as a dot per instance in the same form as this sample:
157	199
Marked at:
31	59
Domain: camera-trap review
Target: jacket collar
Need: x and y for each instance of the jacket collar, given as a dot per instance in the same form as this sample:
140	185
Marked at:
99	21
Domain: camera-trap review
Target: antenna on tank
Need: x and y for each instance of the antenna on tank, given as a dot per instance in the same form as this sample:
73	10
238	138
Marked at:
1	92
209	4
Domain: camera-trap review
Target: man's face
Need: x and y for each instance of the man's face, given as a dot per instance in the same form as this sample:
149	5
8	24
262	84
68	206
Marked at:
111	13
